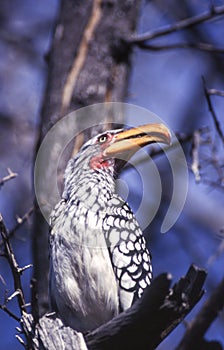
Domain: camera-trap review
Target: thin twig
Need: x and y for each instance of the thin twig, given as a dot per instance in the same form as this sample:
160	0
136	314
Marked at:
21	221
13	295
215	11
11	175
215	92
24	268
197	46
10	313
195	166
21	341
211	109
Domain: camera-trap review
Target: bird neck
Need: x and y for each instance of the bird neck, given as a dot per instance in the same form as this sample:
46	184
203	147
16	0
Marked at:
88	186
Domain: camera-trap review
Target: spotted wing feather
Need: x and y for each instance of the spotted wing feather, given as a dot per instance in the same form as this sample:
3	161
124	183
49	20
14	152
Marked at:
129	255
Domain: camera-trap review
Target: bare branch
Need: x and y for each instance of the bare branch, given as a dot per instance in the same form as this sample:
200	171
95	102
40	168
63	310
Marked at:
198	46
51	334
4	308
13	266
214	12
21	221
13	295
21	269
197	329
79	61
211	109
11	175
215	92
195	166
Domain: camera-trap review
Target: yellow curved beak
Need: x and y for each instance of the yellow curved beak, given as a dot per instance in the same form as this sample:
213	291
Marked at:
129	141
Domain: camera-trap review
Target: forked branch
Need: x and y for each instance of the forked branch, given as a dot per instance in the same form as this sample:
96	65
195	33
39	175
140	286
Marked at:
211	109
215	11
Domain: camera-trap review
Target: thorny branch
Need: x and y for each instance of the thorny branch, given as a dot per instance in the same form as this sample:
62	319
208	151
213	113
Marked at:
211	109
16	271
11	175
215	11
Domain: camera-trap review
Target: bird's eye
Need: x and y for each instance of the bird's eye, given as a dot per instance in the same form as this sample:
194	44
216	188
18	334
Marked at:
102	139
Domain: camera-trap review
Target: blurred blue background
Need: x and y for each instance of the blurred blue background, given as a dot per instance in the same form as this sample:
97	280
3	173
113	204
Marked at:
166	82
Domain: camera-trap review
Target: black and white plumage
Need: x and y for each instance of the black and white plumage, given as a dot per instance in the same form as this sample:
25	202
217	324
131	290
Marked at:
99	263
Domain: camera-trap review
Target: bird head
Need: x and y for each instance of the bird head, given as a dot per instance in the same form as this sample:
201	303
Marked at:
119	145
106	154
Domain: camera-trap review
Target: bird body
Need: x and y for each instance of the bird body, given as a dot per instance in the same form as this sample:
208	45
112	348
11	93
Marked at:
99	263
81	257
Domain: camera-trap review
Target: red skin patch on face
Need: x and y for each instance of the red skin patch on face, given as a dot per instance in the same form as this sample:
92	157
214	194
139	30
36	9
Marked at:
98	162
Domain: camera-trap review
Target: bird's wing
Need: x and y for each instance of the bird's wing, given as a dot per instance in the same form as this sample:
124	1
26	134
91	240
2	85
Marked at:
127	247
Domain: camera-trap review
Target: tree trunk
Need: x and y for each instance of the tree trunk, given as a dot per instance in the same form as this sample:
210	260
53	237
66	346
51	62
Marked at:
88	63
